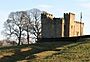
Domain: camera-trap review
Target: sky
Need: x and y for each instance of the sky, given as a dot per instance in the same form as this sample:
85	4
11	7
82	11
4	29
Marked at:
56	7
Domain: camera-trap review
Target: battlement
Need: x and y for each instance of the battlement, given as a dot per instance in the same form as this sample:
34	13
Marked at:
60	20
69	13
47	14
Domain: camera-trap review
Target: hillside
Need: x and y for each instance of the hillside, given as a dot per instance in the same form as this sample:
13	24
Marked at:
47	52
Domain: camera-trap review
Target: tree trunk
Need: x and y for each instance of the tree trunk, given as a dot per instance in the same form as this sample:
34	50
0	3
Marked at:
27	35
37	38
28	38
19	38
19	41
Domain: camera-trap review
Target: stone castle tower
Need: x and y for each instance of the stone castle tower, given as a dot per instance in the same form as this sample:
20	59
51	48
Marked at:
69	19
60	27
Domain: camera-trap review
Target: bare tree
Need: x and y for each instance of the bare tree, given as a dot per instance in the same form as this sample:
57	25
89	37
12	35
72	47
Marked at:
27	24
13	25
36	19
23	23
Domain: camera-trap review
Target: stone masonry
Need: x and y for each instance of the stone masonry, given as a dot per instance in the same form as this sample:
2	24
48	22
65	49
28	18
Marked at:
60	27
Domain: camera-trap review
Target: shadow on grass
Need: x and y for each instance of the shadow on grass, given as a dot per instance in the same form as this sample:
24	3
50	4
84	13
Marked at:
71	45
35	48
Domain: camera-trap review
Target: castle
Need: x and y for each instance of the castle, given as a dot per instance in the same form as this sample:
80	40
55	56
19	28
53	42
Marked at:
60	27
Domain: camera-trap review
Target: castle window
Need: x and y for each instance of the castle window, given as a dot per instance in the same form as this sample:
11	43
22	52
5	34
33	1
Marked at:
77	33
72	26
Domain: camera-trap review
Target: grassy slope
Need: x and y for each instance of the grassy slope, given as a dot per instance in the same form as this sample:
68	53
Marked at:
47	52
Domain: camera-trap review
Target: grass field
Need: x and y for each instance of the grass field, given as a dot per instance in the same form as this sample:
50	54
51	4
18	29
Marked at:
47	52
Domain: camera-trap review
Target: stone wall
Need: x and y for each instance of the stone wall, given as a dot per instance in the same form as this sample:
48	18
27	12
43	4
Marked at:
78	28
60	27
46	25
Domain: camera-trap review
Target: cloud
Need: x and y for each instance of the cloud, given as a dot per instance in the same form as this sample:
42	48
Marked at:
44	7
83	0
3	17
85	5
